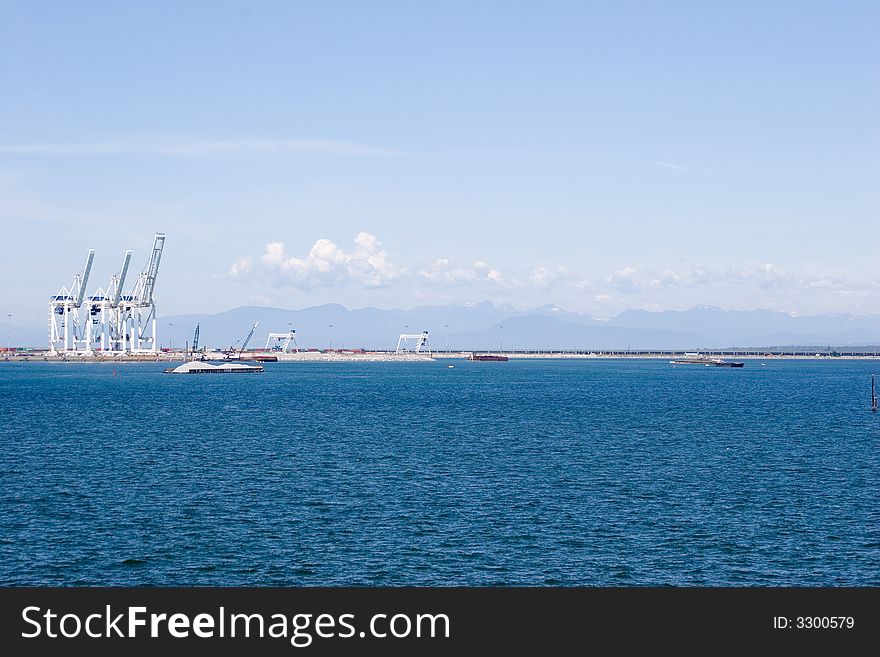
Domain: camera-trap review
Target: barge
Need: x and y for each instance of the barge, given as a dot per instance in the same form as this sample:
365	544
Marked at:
487	357
201	367
694	359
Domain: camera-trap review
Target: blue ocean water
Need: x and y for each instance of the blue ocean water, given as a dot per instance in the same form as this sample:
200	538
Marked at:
528	472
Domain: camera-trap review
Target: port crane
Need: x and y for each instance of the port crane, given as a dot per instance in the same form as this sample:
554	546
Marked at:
195	347
420	340
109	320
105	324
65	306
138	308
282	342
230	353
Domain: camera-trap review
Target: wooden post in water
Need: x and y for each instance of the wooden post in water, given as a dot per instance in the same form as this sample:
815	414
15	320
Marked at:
873	396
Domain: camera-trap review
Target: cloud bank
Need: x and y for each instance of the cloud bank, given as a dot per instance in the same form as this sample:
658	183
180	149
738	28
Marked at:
325	265
365	265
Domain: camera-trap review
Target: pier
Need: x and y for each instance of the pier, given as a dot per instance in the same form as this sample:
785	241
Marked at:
337	355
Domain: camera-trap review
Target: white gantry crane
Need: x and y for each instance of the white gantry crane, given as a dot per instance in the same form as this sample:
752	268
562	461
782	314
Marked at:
113	321
65	330
105	329
137	309
413	343
283	342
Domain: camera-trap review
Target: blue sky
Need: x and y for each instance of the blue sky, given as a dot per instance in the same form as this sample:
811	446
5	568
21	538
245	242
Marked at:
597	156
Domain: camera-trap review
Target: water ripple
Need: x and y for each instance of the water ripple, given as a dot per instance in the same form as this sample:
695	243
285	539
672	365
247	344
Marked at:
549	473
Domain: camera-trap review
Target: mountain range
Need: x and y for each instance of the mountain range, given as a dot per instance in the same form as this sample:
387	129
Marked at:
480	326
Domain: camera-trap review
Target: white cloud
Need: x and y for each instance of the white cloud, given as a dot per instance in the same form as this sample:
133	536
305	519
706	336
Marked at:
748	286
273	256
366	266
240	267
442	272
682	167
626	279
200	147
325	264
666	278
546	277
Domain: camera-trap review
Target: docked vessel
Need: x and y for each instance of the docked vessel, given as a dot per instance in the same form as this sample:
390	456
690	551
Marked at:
487	357
202	367
708	361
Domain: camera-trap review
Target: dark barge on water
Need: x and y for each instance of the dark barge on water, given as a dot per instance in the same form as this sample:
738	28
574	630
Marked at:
487	357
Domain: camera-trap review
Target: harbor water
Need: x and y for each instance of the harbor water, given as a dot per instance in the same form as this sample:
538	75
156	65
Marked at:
546	472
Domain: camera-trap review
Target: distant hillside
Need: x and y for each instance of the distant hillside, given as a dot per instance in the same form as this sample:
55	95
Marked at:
756	327
543	332
371	328
23	336
479	326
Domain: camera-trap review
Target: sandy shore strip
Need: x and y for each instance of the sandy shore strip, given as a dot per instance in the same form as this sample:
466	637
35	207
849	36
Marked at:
343	356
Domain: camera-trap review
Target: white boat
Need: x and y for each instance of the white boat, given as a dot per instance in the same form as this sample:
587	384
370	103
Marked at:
708	361
202	367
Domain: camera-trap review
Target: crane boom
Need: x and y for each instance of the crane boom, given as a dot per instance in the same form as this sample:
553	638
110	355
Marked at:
119	280
152	269
249	336
196	340
83	279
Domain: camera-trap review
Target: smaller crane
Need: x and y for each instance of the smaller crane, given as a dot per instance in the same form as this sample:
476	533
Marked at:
248	339
230	353
195	343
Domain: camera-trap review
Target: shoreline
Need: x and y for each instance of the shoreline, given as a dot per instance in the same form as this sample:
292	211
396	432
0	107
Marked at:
342	356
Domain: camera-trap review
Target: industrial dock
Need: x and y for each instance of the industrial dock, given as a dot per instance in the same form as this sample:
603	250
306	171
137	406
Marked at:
327	356
115	324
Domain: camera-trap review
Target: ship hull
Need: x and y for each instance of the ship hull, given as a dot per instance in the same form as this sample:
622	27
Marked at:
708	362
